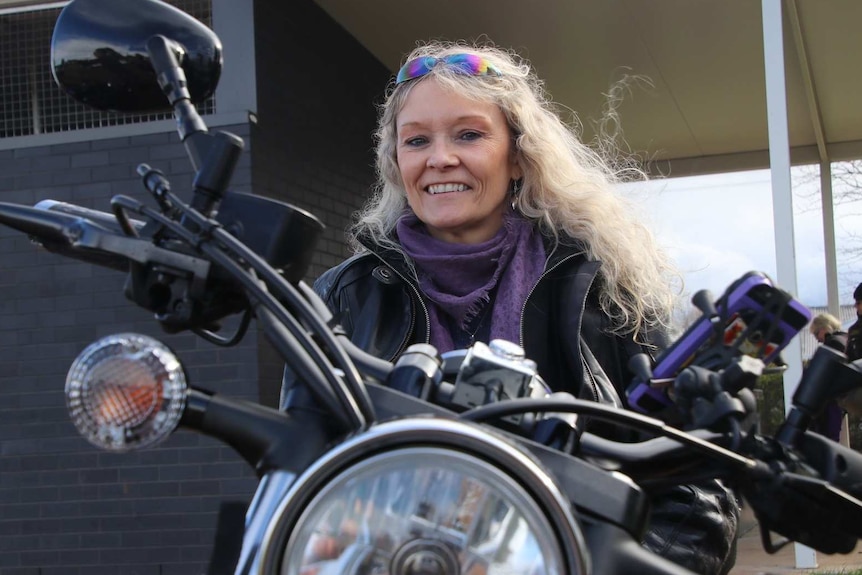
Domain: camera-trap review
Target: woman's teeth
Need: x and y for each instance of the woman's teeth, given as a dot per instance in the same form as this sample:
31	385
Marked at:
445	188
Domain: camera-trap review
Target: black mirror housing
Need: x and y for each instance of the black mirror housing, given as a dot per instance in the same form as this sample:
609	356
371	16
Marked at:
99	53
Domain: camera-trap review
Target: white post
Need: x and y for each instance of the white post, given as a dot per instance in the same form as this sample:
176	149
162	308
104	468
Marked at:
826	199
782	199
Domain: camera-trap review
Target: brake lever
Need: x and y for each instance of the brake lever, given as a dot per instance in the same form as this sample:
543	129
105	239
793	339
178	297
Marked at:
86	235
81	238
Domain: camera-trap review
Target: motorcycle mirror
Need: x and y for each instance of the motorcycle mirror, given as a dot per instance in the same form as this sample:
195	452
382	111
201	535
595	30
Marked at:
99	53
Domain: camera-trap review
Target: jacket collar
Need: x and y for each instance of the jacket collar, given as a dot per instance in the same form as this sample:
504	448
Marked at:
559	250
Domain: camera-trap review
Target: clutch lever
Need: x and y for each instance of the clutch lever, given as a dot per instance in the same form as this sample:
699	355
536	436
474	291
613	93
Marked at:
81	238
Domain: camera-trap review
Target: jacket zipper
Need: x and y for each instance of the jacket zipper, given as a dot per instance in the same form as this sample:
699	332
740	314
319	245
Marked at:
585	367
593	385
421	303
533	289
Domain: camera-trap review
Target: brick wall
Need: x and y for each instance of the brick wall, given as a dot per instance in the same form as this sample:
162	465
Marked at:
65	507
317	96
313	147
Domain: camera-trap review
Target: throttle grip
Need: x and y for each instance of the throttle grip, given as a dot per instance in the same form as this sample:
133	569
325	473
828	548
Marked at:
104	219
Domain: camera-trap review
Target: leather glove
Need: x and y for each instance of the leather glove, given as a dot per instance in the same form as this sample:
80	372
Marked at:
695	526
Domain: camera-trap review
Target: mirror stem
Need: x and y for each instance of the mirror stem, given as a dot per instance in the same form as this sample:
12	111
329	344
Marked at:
213	158
164	56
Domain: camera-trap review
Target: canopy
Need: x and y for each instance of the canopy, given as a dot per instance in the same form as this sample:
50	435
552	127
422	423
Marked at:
701	105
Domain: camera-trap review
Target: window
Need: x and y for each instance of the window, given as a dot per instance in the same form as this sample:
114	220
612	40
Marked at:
32	101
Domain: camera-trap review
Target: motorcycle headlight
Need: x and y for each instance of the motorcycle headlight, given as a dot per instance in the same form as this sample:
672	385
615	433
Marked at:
425	508
126	391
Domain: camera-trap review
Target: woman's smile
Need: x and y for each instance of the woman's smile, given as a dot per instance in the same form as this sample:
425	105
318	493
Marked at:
435	189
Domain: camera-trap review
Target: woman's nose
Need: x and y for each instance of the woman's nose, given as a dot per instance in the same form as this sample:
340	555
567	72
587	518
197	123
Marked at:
442	156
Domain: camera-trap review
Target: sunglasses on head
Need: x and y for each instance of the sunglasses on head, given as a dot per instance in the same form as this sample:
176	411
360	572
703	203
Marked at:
468	64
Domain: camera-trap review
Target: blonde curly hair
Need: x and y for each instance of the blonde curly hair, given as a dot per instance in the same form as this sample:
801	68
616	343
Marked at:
568	188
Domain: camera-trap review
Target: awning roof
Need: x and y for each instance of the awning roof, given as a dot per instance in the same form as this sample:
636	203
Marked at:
706	109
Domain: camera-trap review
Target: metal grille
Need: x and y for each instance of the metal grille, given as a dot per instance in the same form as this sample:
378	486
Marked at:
31	102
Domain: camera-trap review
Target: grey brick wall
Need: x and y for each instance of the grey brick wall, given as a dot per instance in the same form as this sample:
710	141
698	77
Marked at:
65	507
313	146
317	96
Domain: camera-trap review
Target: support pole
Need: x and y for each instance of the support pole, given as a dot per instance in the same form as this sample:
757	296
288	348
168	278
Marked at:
826	199
782	199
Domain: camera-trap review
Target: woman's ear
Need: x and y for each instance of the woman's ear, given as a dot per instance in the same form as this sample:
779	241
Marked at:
515	171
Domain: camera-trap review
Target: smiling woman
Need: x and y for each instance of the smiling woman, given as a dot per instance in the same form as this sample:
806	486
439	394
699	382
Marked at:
491	220
457	163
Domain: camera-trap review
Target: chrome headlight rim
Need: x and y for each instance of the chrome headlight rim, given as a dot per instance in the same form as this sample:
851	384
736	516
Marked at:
431	432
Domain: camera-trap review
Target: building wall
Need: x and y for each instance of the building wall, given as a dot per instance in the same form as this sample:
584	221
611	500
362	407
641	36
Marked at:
317	96
313	147
66	507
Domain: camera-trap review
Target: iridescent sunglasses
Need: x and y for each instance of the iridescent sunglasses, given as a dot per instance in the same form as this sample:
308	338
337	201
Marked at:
468	64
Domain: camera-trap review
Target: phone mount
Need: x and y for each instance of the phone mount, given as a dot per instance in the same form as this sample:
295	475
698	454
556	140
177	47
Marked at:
706	375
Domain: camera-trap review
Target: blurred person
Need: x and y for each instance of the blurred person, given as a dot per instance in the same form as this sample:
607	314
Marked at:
854	332
852	401
826	328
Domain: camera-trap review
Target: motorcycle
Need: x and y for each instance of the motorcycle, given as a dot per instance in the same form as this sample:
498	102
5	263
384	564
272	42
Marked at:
457	463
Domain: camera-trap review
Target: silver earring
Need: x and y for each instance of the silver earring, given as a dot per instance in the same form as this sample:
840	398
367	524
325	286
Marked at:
515	190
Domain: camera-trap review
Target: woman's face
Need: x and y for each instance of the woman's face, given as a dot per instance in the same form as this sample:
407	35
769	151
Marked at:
456	162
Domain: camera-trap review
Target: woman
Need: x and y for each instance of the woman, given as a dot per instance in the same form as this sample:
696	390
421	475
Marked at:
492	220
826	329
547	195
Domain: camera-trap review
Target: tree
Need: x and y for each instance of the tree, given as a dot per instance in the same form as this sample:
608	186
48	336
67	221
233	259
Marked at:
846	193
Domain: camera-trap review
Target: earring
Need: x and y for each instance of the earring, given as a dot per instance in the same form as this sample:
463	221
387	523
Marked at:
514	190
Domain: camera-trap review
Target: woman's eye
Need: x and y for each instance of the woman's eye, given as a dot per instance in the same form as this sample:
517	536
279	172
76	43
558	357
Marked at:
415	141
470	135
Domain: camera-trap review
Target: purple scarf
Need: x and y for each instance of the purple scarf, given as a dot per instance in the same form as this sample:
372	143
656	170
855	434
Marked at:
457	279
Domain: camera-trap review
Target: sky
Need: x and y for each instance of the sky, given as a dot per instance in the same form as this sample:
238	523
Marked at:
718	227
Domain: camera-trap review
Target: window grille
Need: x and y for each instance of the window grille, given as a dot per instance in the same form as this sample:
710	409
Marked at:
32	103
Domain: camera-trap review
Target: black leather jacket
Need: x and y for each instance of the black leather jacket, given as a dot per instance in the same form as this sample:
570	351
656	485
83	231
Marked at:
854	341
375	298
376	301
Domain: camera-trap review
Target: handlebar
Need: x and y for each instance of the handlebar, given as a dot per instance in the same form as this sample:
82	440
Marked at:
817	478
227	253
797	465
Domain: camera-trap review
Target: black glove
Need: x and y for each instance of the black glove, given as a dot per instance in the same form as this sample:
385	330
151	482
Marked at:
695	526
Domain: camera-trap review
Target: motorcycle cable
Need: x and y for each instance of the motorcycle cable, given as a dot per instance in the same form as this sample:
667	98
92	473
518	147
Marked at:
223	254
356	392
221	341
614	415
372	366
